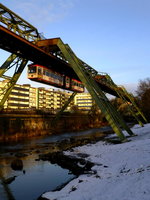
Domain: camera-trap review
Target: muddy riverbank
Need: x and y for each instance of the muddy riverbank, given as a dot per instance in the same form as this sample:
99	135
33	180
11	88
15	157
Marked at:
16	126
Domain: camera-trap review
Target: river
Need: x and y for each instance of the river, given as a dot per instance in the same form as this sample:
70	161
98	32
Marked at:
37	176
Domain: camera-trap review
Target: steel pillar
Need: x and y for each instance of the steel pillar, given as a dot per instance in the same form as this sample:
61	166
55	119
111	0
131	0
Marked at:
139	112
20	65
114	119
111	109
124	95
130	108
7	64
58	115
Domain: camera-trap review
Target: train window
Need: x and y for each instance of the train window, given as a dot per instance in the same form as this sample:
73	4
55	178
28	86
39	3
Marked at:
39	71
72	82
44	72
60	78
52	75
32	70
55	76
47	74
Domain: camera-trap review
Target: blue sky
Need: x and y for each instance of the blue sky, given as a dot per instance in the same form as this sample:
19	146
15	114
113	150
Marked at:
112	36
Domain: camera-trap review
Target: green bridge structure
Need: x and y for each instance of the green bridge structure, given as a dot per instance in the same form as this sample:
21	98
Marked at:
25	43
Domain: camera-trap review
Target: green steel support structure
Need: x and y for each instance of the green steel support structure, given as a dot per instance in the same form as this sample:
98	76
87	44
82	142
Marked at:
58	115
86	74
139	112
98	95
117	117
130	108
20	65
124	95
7	64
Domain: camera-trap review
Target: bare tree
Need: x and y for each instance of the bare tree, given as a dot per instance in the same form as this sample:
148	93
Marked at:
143	86
143	94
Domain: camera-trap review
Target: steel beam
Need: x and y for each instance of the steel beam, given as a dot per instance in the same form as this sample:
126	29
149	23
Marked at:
111	115
58	115
111	109
139	112
9	86
129	99
18	25
7	64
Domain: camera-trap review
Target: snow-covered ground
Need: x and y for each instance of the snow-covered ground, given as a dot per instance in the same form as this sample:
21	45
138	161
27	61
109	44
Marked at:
121	171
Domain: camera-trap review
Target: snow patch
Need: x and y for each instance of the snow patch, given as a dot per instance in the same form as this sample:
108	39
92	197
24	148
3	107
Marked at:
122	171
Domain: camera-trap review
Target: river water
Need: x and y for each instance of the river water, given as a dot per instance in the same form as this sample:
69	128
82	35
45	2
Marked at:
37	176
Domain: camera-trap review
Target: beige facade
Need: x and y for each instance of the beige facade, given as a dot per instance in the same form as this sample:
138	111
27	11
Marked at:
2	87
33	98
18	98
84	101
27	97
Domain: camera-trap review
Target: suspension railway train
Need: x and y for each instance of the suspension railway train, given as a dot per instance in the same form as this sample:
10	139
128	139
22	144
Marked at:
45	75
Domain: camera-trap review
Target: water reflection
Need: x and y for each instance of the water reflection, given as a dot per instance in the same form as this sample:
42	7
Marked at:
37	177
5	192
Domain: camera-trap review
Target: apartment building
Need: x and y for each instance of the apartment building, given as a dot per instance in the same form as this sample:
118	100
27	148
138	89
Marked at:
84	101
18	98
33	98
27	97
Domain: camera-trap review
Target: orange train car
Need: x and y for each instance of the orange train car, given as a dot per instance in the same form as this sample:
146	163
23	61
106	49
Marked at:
45	75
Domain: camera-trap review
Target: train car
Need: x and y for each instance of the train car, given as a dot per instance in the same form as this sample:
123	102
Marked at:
77	86
45	75
42	74
67	82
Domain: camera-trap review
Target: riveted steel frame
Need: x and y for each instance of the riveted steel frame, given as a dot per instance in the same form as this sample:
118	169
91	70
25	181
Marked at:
18	25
